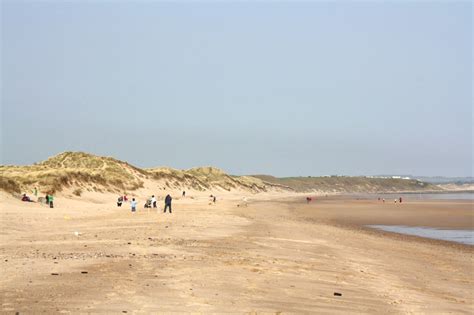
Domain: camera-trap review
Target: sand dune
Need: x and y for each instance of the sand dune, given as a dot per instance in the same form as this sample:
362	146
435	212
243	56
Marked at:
80	172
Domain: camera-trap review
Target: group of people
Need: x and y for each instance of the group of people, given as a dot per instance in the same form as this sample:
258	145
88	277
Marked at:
27	198
48	198
151	202
395	200
121	199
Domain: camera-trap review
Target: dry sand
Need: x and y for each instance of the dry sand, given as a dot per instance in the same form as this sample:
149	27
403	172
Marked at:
272	256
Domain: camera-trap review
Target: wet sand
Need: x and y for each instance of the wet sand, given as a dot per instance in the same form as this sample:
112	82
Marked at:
272	256
449	214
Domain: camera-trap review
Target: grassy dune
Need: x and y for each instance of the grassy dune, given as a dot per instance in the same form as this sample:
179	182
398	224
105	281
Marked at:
216	177
73	169
345	184
207	178
82	171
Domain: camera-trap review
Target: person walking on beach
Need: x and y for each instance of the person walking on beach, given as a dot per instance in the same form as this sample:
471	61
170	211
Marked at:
167	203
153	201
119	201
50	200
133	204
184	194
35	192
400	199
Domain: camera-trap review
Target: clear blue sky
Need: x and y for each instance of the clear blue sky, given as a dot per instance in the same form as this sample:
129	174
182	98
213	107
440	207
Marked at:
308	88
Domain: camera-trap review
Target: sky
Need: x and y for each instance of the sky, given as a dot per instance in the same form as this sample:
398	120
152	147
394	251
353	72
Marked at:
282	88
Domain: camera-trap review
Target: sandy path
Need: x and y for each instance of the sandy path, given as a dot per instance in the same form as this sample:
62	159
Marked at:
267	257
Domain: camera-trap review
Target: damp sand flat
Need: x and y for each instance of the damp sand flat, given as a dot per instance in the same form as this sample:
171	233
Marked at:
440	214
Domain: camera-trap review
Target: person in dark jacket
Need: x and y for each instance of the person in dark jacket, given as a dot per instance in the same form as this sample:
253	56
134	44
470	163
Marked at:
168	202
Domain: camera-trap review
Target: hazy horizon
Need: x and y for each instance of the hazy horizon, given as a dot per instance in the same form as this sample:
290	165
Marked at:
285	89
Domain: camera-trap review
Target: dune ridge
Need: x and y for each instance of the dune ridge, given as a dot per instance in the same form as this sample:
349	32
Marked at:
80	171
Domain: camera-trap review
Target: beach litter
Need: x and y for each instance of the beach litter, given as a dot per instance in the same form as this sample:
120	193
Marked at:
337	294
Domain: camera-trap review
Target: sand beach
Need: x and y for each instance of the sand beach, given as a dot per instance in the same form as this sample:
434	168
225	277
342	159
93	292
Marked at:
277	254
317	157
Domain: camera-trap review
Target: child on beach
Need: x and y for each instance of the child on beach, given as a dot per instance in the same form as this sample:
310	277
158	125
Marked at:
133	204
153	201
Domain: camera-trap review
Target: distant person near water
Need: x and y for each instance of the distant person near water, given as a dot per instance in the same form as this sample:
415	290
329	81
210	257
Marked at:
168	202
133	205
400	200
